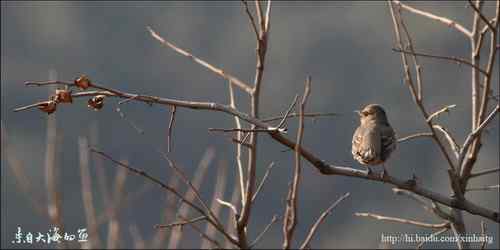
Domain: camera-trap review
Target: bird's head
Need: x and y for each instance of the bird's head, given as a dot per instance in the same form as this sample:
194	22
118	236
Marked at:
372	113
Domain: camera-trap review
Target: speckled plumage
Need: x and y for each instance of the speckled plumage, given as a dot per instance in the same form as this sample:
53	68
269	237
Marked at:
374	140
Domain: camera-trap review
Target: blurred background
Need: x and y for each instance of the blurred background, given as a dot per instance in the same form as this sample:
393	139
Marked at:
344	46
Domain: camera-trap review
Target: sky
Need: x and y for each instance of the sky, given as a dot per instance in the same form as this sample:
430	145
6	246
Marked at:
346	47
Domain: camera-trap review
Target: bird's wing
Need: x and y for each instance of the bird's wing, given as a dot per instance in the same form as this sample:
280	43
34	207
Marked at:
366	144
388	141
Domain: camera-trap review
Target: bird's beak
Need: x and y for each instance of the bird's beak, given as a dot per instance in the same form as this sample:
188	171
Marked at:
357	112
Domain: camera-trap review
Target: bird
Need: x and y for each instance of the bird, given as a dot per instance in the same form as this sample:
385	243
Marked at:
374	140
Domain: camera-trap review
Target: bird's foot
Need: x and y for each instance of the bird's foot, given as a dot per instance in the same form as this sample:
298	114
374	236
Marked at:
383	174
412	181
369	171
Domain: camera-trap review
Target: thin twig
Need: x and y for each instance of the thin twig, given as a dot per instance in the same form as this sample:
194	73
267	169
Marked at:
267	25
258	9
267	130
434	17
282	122
483	235
257	239
124	117
170	126
290	218
232	79
199	175
404	221
196	192
449	58
251	19
437	113
241	174
181	223
210	217
202	234
413	136
435	234
220	187
262	42
229	205
479	111
416	94
487	188
484	172
232	217
168	214
453	143
45	83
433	209
321	218
475	133
478	11
313	115
242	143
261	184
147	176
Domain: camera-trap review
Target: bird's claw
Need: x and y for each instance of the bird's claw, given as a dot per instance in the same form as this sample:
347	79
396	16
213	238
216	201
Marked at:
369	171
383	174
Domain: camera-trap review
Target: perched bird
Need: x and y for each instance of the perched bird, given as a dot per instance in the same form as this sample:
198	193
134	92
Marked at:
374	140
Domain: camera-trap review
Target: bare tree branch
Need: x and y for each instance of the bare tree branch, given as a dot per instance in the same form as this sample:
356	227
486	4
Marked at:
404	221
268	170
453	143
209	216
478	11
312	115
324	168
444	20
484	172
321	218
435	234
181	223
232	79
290	218
250	17
474	134
241	174
449	58
170	126
202	234
257	239
437	113
487	188
483	235
413	136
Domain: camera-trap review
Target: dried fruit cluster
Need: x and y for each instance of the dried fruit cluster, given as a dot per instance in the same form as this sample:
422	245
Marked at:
64	95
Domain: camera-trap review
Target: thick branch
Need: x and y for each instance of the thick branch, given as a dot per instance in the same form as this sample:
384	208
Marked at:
319	164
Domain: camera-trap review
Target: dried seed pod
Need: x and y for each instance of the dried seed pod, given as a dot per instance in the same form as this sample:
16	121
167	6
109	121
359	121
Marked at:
64	96
96	102
48	107
83	82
